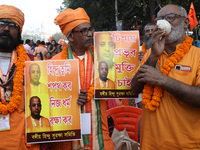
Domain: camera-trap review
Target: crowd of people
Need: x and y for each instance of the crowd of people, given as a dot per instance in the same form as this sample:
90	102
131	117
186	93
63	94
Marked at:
168	78
42	50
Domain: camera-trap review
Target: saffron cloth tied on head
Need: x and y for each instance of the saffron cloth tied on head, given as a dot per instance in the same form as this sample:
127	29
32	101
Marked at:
13	13
69	19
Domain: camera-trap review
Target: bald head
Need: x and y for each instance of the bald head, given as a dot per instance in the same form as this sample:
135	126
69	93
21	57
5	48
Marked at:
34	72
35	107
103	70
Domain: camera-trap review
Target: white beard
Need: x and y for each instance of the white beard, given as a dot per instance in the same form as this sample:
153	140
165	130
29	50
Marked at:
176	33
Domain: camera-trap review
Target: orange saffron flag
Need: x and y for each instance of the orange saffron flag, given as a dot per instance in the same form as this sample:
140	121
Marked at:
61	41
192	17
137	26
50	39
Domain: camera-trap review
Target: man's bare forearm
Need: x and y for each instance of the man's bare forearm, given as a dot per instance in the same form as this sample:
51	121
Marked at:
151	61
136	86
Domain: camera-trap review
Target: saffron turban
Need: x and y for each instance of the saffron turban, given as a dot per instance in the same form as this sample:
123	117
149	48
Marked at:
13	13
69	19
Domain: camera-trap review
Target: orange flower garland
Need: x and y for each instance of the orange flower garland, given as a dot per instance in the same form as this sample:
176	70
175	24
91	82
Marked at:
152	94
64	53
18	81
90	91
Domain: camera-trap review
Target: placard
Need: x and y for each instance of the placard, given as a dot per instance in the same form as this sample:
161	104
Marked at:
52	112
116	60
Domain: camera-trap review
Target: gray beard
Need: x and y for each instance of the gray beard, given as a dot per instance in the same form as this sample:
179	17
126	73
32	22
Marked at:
176	33
147	42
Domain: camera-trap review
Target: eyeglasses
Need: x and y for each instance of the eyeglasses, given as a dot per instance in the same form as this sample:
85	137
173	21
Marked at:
38	105
11	25
85	31
149	30
169	17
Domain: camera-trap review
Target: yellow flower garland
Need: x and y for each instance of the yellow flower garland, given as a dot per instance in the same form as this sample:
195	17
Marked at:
152	94
90	91
18	81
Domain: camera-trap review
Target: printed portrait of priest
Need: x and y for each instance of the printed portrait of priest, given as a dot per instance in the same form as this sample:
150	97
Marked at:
36	86
102	82
35	122
105	46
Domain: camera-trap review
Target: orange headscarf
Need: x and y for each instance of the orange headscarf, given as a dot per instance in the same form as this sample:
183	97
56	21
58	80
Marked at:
13	13
69	19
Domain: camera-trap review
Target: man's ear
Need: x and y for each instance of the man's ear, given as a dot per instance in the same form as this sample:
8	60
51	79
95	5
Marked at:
70	37
186	23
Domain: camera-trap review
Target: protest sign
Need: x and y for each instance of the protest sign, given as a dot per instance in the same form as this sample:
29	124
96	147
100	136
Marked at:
52	112
116	60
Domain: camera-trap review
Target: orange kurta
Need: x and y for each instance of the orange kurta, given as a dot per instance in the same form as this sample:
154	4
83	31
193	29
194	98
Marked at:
111	84
14	139
174	124
31	128
108	144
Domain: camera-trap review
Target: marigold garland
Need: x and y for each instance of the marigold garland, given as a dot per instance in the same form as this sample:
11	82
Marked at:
90	91
152	94
18	83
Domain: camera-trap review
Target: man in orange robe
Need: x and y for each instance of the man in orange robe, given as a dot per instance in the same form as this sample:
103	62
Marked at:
75	24
35	122
102	82
11	75
175	122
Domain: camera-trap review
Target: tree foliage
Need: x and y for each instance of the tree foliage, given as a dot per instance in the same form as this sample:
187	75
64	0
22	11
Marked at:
102	12
58	36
